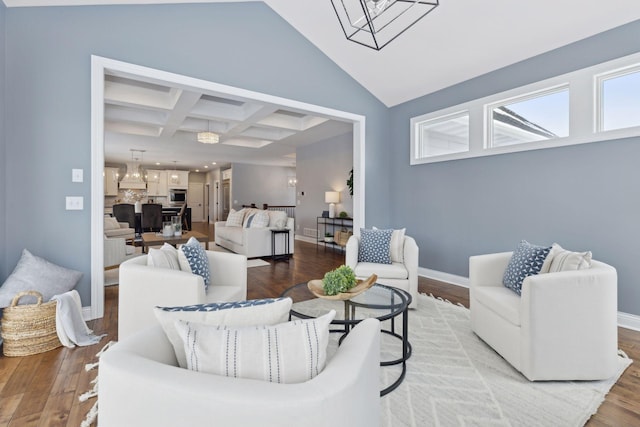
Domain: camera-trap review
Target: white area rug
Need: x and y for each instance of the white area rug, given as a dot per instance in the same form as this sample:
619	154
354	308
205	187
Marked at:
455	379
256	262
253	262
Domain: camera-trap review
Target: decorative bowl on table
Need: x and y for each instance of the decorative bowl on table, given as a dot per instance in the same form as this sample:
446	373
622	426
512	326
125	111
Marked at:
316	287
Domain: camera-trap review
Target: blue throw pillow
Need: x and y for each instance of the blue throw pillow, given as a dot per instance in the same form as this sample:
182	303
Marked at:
527	260
217	306
197	259
375	246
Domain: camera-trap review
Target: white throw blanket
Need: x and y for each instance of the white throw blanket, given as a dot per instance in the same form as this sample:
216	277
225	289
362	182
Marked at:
70	325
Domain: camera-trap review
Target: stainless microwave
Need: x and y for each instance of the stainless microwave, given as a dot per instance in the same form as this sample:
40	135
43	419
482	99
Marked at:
177	197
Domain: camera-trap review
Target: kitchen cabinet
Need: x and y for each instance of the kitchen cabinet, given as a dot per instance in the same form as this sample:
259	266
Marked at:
157	183
178	179
111	181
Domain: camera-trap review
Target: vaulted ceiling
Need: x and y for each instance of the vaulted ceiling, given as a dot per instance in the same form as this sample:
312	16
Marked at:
459	40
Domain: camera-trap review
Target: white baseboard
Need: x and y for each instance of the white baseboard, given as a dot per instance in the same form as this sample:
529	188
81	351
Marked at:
625	320
629	321
444	277
86	313
306	239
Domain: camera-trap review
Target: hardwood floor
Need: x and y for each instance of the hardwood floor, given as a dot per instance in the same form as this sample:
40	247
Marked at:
43	390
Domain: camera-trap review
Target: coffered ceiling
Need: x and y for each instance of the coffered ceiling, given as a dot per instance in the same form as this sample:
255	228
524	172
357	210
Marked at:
163	121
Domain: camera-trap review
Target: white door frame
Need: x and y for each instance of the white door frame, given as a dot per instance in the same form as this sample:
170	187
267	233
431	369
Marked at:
101	65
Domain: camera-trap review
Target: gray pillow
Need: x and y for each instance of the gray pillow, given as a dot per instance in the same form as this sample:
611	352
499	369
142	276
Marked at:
37	274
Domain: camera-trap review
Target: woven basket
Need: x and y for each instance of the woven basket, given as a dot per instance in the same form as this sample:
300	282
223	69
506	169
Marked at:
29	329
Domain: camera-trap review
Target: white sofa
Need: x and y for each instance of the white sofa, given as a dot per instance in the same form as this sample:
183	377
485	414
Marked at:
143	287
400	275
562	327
254	242
141	385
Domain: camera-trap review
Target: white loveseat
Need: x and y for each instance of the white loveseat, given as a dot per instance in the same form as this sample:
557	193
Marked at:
254	242
562	327
141	385
143	287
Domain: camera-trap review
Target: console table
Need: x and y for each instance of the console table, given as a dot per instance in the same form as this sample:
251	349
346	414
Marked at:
331	225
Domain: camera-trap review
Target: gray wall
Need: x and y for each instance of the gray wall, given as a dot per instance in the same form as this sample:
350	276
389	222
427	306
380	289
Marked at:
261	184
322	166
48	90
583	197
3	169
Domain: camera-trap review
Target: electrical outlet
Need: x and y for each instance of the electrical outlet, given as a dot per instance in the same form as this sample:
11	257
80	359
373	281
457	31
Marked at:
75	203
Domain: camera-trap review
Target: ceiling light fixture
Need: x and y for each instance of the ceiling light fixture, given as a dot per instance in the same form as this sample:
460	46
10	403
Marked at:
208	137
376	23
173	178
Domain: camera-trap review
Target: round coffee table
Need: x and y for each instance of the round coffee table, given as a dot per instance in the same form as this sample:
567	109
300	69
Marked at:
380	301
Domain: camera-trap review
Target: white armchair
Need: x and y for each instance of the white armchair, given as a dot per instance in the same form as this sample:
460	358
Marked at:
400	275
141	385
562	327
143	287
113	228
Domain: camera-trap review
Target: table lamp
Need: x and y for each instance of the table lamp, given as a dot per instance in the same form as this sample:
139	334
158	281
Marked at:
332	197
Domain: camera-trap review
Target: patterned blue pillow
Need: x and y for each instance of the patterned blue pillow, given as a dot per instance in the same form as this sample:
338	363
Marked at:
217	306
375	246
526	261
198	261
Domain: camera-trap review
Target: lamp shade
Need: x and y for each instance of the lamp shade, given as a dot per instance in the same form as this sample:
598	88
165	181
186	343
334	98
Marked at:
331	197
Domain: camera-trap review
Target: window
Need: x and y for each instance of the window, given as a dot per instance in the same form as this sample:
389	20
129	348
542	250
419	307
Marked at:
530	118
443	135
619	95
598	103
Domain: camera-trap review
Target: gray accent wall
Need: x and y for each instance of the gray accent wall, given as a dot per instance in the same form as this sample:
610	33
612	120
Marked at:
261	184
583	197
322	166
48	129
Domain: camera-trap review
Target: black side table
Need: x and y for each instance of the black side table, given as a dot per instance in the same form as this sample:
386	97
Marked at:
284	256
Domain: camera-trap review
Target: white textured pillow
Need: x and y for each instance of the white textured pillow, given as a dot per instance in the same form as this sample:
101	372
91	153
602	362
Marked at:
235	218
165	257
33	273
111	223
288	353
277	219
232	314
564	260
396	247
259	220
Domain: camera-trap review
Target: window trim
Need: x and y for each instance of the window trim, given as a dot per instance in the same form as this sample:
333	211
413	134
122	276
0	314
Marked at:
584	111
599	79
416	145
489	122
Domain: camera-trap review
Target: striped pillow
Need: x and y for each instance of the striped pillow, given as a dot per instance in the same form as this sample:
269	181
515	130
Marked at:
258	219
267	311
564	260
289	353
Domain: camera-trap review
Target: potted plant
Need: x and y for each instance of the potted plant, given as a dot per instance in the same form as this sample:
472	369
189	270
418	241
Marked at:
339	280
328	237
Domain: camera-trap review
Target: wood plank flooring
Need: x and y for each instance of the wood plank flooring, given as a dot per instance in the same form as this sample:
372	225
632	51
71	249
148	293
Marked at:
43	390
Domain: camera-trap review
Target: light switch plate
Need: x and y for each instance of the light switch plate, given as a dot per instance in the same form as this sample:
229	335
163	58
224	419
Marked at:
75	203
77	175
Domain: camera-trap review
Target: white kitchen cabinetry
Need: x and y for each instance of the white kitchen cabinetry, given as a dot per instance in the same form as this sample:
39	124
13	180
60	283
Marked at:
157	183
178	179
111	181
